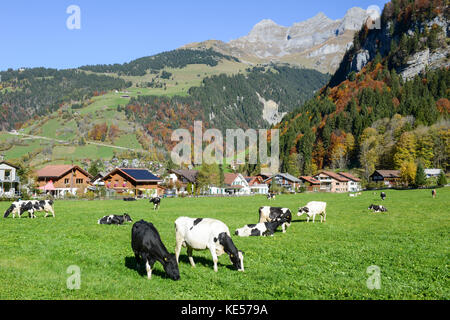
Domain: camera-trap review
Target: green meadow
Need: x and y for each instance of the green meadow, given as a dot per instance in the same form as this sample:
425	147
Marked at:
409	244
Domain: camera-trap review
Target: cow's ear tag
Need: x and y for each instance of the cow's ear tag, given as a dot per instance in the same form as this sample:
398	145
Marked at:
231	255
165	259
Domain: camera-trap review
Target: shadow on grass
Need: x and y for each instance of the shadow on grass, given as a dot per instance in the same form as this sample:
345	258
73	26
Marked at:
130	263
297	221
206	262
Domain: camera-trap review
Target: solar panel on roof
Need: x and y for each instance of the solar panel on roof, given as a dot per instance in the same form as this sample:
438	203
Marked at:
140	174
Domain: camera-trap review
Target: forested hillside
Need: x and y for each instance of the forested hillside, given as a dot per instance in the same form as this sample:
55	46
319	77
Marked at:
224	102
376	118
173	59
39	91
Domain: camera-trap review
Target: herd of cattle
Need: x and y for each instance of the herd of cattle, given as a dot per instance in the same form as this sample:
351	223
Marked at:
191	233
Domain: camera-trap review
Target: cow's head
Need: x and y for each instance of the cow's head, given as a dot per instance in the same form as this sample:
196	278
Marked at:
371	207
171	267
302	211
238	260
10	209
127	218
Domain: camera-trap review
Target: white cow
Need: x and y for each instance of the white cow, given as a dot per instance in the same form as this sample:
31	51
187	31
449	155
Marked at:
314	208
206	233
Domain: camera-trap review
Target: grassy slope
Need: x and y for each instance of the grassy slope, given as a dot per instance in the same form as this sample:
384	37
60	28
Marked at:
104	109
311	261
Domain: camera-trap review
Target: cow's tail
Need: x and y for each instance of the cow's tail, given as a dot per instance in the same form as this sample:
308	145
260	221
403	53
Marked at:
8	212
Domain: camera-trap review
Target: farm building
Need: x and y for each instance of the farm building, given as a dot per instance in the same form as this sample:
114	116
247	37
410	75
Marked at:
389	177
131	180
58	180
9	180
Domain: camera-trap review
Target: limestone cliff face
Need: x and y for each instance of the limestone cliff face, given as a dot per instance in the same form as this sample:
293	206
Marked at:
317	43
380	40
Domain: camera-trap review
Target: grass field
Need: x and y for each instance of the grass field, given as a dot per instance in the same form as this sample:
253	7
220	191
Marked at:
410	244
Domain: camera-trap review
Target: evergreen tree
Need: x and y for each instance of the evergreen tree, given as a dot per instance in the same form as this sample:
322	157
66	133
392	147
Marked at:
421	178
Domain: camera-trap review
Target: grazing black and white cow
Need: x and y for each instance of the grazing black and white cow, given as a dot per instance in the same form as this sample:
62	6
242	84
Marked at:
129	199
206	233
259	229
19	207
271	196
115	219
44	205
32	206
146	244
156	202
270	214
377	208
383	196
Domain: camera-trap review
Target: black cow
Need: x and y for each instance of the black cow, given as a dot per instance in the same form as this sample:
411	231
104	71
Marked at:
156	202
383	196
115	219
129	199
259	229
377	208
146	244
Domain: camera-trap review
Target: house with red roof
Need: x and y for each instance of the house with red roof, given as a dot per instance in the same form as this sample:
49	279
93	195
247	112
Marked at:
311	184
354	183
235	183
65	179
332	182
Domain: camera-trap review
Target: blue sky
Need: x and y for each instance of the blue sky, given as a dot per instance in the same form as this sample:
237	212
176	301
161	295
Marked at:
34	33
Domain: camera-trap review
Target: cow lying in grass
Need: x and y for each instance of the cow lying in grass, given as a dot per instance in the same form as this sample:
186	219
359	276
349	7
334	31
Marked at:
312	209
115	219
260	229
206	233
146	244
377	208
32	206
272	214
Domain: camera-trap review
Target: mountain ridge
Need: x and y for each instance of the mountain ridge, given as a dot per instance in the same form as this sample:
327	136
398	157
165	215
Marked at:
318	42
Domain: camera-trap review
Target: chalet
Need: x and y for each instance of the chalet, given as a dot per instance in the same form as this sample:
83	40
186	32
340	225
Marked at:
235	183
9	179
184	177
309	183
284	180
332	182
354	183
132	180
257	185
59	180
390	178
